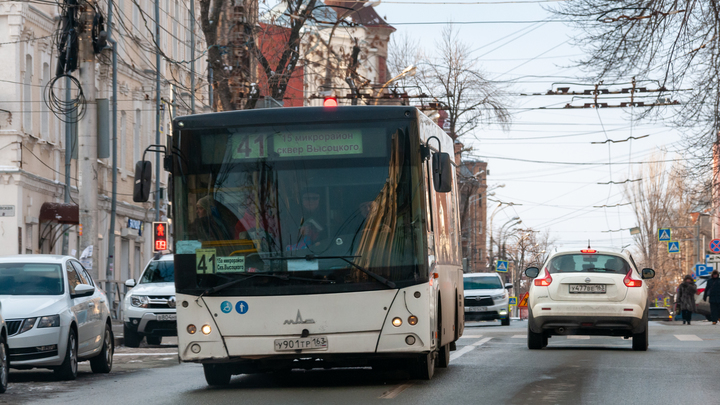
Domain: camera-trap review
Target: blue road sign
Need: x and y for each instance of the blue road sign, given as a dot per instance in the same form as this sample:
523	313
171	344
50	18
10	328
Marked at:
664	235
674	247
703	270
512	301
715	245
501	266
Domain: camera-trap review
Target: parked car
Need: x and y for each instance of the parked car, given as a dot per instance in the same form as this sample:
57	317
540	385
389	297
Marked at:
4	369
702	307
588	292
659	314
486	297
149	308
55	315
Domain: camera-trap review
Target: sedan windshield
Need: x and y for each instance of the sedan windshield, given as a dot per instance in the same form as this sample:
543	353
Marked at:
30	279
482	283
159	272
596	263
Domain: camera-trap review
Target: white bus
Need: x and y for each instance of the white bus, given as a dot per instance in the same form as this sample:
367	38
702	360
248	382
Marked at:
315	238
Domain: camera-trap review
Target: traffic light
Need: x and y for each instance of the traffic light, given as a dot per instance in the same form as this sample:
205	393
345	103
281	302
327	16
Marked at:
160	242
330	101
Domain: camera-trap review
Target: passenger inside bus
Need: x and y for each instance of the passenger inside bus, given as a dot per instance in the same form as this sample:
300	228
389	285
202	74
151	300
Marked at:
208	225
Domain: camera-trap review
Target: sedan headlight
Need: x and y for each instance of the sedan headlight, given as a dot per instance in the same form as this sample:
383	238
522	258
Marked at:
27	325
51	321
140	301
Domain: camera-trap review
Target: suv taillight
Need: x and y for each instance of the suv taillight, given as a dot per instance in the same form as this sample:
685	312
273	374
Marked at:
631	282
544	282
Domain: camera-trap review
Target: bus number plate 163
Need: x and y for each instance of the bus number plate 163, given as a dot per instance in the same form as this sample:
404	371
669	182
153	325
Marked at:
314	343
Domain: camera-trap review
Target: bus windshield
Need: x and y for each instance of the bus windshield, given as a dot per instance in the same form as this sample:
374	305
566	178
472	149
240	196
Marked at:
311	204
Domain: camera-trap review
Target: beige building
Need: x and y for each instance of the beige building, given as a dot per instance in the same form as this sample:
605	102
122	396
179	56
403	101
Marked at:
32	138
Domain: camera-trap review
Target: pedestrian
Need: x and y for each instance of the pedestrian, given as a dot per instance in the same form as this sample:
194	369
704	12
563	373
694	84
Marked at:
686	298
712	290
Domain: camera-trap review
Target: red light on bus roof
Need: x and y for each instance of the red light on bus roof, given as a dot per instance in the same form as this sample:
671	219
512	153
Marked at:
330	102
588	251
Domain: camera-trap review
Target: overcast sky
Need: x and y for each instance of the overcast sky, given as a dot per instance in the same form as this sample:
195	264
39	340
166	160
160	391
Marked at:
535	58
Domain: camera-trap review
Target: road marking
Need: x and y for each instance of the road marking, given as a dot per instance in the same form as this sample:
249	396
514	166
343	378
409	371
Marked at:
395	391
688	338
579	337
468	348
481	342
145	354
519	336
470	336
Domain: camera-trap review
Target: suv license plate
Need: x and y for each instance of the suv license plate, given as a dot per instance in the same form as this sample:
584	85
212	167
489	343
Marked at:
313	343
475	309
166	317
587	288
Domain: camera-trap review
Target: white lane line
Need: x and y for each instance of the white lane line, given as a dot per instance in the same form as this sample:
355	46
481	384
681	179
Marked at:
471	336
468	348
688	338
579	337
481	342
519	336
395	391
145	354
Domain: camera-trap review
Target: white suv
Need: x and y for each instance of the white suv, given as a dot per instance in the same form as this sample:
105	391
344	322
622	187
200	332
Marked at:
149	308
486	297
588	292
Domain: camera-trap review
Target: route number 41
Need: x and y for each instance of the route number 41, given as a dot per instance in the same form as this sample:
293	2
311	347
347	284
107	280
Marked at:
205	261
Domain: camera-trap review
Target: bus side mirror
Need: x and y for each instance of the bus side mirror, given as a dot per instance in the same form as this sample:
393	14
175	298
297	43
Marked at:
143	181
442	172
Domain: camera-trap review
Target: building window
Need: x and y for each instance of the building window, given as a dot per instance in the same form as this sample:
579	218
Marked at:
123	138
45	118
27	95
136	135
382	69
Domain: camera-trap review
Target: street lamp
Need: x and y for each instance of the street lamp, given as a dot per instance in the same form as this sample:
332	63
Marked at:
411	70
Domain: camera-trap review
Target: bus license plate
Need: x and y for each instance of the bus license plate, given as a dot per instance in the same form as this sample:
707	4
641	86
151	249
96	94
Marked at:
312	343
166	317
587	288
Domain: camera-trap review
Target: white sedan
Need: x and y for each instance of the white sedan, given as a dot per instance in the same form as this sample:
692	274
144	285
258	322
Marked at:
55	315
588	292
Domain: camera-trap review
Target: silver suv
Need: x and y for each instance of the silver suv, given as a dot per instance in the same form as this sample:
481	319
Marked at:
149	308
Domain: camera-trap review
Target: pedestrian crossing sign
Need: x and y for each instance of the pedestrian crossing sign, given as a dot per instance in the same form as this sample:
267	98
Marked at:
501	266
512	301
674	247
664	235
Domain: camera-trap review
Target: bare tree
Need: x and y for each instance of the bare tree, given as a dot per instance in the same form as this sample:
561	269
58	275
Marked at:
454	79
674	42
661	200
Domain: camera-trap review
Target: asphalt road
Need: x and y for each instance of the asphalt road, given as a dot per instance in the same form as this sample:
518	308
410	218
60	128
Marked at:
491	366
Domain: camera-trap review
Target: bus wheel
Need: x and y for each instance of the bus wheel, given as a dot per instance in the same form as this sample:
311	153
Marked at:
425	367
443	357
217	374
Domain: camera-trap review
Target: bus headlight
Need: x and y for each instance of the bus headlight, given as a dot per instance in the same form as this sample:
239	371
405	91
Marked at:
397	322
412	320
206	329
191	329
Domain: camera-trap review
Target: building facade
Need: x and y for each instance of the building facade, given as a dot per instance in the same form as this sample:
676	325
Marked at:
32	138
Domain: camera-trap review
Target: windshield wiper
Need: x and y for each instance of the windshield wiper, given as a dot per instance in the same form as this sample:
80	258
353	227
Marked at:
311	257
600	268
285	277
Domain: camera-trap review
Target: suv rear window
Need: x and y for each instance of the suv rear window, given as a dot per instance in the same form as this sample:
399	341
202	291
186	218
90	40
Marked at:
159	272
596	263
482	283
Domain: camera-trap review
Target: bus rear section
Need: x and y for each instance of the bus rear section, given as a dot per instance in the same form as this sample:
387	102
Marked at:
314	238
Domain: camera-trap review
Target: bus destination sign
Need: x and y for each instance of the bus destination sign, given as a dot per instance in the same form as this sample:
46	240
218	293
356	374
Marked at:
298	144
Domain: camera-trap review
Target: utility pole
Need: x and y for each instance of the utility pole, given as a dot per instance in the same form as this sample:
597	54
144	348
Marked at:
87	140
68	160
157	109
192	56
